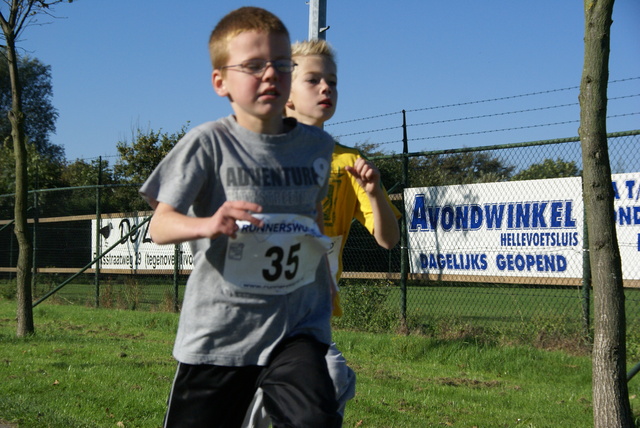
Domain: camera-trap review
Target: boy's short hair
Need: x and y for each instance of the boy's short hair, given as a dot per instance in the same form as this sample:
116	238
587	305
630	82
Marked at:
313	47
239	21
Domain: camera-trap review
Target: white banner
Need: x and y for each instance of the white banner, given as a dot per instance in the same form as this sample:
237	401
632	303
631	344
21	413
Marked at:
137	252
517	229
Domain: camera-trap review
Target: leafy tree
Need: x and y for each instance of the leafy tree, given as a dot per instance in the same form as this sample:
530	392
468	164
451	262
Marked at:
611	407
20	14
438	170
81	173
39	114
548	168
138	160
466	168
43	170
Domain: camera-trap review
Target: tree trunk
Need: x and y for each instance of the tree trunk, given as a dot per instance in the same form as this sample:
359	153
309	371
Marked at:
16	116
611	406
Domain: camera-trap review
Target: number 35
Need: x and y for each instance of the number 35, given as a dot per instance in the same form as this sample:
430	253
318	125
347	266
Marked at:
277	258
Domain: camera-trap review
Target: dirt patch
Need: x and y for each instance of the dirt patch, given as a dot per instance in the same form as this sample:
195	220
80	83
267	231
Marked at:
470	383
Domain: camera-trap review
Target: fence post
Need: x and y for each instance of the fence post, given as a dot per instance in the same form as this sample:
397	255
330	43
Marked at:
96	279
34	249
404	257
177	256
586	278
12	237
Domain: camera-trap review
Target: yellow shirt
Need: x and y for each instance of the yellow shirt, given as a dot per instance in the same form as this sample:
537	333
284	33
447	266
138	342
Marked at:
345	200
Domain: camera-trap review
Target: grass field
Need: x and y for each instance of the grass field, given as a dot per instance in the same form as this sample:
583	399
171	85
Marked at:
89	367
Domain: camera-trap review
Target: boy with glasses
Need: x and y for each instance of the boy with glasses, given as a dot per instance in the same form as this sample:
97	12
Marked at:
246	192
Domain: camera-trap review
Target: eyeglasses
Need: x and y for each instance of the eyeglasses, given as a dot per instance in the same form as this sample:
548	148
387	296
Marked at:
257	67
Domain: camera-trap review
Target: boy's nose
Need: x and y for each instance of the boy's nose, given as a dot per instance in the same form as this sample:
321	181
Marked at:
269	71
325	88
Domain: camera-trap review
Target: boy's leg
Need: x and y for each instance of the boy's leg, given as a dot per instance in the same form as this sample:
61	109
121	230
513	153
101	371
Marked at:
298	391
344	379
208	395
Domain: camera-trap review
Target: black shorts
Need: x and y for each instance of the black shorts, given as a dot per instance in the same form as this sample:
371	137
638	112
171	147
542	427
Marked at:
298	391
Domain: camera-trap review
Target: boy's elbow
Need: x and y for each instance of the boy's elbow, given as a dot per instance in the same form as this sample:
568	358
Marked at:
155	230
390	244
156	238
389	240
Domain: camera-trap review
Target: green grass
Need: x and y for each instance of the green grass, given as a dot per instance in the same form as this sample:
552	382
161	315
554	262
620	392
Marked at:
460	384
89	367
86	367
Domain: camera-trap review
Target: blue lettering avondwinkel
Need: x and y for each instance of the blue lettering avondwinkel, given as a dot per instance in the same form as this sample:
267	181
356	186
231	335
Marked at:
556	214
494	215
447	217
537	215
476	217
418	218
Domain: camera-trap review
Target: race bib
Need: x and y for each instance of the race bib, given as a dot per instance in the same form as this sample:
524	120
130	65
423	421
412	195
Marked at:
277	258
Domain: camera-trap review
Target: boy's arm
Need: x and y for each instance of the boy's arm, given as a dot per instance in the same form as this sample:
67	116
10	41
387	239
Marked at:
169	226
385	224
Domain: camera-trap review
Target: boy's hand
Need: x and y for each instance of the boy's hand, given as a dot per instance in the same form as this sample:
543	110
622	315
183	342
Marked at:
366	174
168	226
223	222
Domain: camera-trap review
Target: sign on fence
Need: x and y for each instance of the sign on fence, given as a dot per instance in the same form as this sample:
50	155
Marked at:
137	252
517	230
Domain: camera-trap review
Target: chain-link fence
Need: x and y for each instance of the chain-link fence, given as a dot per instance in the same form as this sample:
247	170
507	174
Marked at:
493	236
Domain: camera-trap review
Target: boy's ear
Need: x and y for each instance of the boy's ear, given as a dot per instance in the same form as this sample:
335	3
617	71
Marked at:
289	104
218	83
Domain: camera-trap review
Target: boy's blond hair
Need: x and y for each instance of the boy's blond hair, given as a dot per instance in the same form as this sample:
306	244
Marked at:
239	21
313	47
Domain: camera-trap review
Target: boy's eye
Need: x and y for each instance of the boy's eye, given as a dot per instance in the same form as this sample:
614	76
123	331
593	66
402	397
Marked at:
254	66
258	66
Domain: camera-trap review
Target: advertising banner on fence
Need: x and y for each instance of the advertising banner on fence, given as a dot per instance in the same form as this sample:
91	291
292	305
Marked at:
136	252
531	229
486	231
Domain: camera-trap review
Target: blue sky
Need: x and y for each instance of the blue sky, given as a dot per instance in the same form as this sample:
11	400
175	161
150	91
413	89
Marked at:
122	65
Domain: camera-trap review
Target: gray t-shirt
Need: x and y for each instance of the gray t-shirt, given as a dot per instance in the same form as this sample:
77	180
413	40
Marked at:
285	173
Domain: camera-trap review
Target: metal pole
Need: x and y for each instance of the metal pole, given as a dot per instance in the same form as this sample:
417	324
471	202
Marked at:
404	255
34	250
96	279
634	371
176	267
317	19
